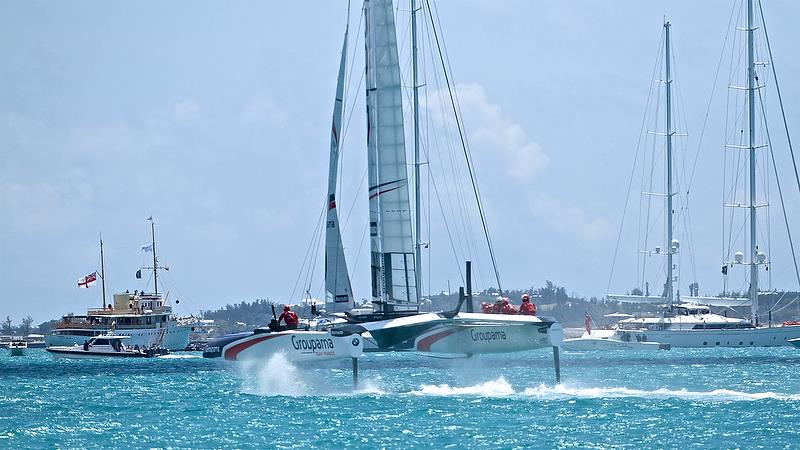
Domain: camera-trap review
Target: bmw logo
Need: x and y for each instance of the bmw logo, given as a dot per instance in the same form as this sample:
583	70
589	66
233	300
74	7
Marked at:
355	342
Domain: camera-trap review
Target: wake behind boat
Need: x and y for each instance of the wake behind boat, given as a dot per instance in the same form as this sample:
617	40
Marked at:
105	346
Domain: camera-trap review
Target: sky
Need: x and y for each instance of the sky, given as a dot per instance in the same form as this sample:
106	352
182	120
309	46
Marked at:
214	119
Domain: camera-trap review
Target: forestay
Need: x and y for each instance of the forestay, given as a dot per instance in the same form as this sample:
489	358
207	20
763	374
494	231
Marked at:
393	267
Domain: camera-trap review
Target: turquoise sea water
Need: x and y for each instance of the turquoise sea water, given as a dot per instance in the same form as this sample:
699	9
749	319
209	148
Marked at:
681	398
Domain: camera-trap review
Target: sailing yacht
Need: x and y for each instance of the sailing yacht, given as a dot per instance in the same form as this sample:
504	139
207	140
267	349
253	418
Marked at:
395	321
145	318
688	321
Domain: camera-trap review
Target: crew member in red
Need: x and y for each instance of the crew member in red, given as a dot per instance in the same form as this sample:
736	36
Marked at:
508	308
527	308
288	317
497	308
487	308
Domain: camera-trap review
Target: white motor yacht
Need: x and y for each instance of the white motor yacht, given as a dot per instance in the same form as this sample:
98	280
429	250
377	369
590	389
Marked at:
692	325
103	346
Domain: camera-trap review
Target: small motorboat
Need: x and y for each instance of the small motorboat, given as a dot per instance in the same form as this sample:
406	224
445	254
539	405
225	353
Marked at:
616	340
795	342
17	347
106	345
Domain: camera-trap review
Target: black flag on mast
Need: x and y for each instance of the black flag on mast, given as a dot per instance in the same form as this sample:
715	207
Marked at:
139	274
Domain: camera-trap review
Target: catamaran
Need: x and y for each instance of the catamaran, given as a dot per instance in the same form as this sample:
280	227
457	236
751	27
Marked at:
146	318
688	321
395	321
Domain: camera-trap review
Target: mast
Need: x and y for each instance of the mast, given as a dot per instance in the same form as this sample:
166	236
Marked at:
391	233
155	264
751	104
102	271
417	190
669	133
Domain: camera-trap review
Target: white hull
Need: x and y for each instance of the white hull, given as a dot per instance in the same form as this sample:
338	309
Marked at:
295	345
175	337
744	337
470	339
585	344
795	342
463	334
76	352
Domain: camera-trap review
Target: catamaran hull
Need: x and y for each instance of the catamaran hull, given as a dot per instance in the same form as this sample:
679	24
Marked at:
485	339
462	334
745	337
295	345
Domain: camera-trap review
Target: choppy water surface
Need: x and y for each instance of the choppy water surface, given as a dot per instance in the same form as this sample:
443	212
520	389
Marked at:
680	398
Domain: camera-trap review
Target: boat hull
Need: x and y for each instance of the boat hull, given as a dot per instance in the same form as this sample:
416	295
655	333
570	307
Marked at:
795	342
17	351
744	337
78	353
175	337
462	334
584	344
295	345
471	339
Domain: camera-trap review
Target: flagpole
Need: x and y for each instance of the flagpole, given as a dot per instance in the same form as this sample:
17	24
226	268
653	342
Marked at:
155	265
103	270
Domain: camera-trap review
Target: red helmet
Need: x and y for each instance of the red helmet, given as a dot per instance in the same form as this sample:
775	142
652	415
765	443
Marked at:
286	307
526	298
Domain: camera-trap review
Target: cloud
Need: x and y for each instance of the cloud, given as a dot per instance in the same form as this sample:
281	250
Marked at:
491	132
570	219
263	109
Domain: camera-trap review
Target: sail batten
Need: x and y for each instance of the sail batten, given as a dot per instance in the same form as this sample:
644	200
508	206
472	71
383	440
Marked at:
339	293
393	277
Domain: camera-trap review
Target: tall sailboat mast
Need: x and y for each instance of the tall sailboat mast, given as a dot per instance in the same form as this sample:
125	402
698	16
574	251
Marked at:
671	248
102	272
417	190
155	263
751	103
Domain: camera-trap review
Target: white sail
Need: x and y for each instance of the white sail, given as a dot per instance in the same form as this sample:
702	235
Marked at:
393	279
339	294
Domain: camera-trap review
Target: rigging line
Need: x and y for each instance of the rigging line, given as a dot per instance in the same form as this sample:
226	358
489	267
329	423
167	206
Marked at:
780	194
633	173
471	244
710	100
466	153
780	98
308	250
315	257
650	186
